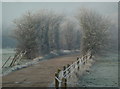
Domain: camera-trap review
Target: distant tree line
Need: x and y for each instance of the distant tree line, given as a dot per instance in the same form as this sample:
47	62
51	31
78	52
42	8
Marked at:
45	31
70	35
42	32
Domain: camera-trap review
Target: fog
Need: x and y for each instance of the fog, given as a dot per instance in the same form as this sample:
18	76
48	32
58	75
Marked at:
13	10
0	26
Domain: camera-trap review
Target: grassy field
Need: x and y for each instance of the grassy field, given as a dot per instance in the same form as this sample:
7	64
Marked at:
25	62
5	55
104	73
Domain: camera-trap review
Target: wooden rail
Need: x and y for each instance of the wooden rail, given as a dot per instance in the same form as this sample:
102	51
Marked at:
16	59
6	62
62	75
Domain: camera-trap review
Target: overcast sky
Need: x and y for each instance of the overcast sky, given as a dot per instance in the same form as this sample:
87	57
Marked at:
13	10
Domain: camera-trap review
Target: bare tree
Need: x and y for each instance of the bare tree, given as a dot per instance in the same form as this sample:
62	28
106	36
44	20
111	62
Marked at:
25	34
69	34
54	32
95	31
33	32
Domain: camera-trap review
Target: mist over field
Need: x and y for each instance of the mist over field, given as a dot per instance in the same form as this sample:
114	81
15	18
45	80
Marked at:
64	41
69	9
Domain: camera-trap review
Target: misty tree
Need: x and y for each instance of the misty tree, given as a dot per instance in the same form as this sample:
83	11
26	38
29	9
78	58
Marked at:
33	32
94	31
69	35
26	35
113	44
54	31
49	23
42	20
77	39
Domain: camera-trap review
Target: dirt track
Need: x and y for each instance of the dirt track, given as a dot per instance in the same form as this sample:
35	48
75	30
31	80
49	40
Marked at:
39	75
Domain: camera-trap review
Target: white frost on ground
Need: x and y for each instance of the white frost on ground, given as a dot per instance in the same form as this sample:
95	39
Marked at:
26	63
103	74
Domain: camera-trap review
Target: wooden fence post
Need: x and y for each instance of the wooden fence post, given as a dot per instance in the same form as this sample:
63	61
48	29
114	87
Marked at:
56	81
91	56
64	83
13	60
84	60
87	59
64	67
58	71
68	69
6	61
78	63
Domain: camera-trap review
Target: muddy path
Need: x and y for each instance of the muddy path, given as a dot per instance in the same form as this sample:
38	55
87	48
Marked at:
104	73
38	75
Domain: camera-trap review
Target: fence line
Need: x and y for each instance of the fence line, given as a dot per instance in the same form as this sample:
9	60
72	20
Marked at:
6	61
16	59
62	75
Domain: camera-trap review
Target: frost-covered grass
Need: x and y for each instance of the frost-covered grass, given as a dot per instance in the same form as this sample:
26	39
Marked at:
6	53
103	74
25	63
